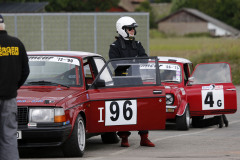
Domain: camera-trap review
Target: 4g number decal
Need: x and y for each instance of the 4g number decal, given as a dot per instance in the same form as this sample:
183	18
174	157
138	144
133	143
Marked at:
122	112
212	99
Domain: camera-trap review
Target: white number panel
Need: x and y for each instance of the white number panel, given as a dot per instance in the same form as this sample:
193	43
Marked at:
212	99
122	112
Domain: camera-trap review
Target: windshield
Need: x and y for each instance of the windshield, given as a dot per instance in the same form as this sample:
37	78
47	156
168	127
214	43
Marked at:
169	72
129	72
212	73
54	70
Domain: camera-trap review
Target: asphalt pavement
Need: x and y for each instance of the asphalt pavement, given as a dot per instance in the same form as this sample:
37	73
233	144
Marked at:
211	143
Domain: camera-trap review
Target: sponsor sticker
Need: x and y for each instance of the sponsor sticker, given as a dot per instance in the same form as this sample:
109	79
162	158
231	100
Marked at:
212	87
68	60
163	66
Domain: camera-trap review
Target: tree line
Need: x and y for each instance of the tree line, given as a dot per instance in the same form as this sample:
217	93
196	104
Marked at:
74	5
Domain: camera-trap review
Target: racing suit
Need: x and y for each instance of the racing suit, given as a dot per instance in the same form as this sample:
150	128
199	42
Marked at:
127	48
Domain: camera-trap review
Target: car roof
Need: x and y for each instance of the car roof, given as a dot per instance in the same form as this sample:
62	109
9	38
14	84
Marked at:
64	53
173	59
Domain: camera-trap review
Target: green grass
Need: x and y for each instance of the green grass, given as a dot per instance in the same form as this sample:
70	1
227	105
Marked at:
199	50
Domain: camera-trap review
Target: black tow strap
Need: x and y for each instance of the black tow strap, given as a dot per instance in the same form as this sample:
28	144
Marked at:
123	45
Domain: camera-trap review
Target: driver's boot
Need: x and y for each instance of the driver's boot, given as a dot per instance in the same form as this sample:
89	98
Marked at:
124	136
145	141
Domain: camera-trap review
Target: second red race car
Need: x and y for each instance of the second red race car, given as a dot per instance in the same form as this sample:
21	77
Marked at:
208	90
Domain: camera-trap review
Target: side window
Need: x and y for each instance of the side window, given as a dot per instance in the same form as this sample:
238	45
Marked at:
186	72
190	67
88	72
212	73
99	63
128	72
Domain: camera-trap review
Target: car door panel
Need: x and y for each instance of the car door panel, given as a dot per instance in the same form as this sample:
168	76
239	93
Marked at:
126	109
214	95
125	96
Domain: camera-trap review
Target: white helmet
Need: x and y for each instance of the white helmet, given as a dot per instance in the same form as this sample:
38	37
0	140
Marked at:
123	23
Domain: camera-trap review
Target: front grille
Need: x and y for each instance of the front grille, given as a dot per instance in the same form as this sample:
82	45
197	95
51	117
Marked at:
22	115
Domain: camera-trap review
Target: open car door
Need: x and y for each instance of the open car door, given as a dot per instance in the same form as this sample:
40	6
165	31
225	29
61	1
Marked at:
126	97
210	90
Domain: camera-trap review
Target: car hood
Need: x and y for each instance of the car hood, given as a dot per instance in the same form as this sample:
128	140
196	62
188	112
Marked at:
37	96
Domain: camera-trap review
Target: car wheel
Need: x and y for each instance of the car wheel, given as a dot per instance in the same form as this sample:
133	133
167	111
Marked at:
183	122
109	138
75	145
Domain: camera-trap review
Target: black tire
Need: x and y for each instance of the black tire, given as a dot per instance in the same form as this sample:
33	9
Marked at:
196	120
110	138
183	122
75	145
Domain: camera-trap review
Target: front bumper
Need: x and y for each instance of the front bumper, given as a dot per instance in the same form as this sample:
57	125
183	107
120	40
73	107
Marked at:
43	136
171	112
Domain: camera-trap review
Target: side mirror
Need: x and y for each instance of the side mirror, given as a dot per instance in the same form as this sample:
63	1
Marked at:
190	81
100	83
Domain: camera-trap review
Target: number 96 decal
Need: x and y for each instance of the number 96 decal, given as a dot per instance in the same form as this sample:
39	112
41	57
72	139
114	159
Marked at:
212	99
122	112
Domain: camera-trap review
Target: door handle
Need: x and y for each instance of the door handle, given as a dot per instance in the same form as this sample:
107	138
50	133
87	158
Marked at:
231	89
157	92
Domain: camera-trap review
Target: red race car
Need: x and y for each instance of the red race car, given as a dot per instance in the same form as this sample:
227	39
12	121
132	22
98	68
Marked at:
70	96
208	90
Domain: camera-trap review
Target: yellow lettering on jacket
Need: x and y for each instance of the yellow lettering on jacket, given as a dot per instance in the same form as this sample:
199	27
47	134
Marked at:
9	51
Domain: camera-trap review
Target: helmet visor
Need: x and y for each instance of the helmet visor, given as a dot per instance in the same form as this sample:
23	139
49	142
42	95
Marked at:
130	26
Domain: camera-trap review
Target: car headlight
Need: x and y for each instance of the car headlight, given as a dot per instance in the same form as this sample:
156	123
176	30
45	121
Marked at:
169	99
38	115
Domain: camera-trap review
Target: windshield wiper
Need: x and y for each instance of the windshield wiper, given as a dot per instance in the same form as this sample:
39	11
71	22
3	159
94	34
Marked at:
46	83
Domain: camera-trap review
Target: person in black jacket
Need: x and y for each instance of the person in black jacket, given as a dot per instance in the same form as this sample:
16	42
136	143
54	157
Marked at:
126	46
14	70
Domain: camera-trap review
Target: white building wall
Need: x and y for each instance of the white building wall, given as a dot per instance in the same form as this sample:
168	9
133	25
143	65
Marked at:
218	31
